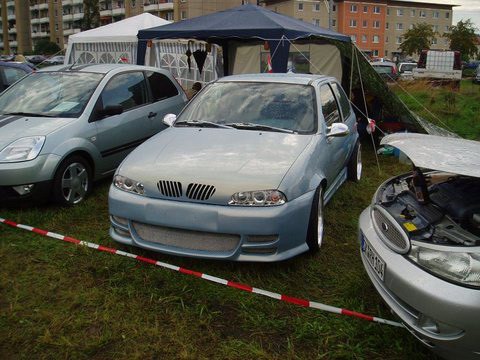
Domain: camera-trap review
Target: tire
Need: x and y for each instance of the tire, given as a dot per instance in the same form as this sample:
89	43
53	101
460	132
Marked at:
354	167
72	181
315	230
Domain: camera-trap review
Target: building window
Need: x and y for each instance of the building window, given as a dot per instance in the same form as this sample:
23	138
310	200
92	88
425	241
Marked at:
316	7
334	22
447	15
183	15
388	11
399	39
434	41
447	28
376	24
364	38
435	28
353	8
386	39
364	23
423	13
316	22
387	26
436	14
399	12
376	39
376	9
169	16
386	53
447	43
375	53
399	26
365	9
300	6
354	38
411	27
334	7
353	23
413	13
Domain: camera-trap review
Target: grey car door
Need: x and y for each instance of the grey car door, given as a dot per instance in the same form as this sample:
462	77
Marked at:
334	146
119	134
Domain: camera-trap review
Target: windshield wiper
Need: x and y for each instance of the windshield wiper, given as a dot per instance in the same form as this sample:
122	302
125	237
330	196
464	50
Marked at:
251	126
28	114
201	123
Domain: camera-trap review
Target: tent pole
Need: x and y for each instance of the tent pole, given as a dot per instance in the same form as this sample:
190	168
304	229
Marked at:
351	72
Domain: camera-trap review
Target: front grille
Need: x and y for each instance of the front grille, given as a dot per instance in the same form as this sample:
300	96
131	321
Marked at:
389	232
170	188
187	239
200	191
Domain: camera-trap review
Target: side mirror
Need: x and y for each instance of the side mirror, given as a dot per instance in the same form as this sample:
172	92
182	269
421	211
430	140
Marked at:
337	130
109	111
169	119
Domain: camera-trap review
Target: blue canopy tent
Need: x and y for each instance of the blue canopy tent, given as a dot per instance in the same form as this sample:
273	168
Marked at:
252	24
246	22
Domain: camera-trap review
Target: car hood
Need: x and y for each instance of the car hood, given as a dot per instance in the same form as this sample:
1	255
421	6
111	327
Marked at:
453	155
231	160
13	127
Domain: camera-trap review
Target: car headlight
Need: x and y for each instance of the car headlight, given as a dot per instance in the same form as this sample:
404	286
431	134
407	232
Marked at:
23	149
126	184
258	198
460	267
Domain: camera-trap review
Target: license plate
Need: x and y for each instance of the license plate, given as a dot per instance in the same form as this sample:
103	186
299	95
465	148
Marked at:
373	259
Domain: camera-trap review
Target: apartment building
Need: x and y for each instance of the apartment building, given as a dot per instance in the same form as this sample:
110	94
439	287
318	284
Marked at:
187	9
15	36
377	26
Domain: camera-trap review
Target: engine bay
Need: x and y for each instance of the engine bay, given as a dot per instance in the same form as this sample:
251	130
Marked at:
434	206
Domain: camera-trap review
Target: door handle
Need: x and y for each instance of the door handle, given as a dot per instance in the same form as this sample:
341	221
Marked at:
151	115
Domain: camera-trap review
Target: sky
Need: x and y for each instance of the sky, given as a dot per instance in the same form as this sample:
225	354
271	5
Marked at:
468	9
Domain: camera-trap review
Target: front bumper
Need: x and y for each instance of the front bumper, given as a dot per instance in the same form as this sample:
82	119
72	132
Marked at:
442	315
39	172
263	234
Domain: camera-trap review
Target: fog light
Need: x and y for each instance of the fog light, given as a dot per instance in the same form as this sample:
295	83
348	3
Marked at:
23	189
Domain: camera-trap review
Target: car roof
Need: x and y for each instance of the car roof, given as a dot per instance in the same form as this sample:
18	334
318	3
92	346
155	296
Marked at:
97	68
288	78
382	63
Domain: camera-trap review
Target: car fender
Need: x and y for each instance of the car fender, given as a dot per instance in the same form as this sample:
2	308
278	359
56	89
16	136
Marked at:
304	175
68	147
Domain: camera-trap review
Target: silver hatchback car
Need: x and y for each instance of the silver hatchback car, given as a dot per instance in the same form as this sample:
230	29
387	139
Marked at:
243	173
60	130
420	243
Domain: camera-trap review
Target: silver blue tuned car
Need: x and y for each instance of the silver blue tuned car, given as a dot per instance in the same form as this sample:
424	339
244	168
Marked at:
420	243
243	172
61	129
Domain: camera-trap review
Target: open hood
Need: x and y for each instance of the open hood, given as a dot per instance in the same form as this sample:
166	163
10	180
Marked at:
453	155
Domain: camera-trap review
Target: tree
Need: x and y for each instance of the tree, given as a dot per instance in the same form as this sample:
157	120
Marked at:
91	15
46	47
462	38
417	39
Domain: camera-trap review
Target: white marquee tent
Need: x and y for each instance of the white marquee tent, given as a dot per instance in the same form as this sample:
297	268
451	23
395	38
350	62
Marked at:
112	43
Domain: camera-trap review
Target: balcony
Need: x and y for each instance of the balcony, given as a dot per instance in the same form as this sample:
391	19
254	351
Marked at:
11	17
42	6
77	2
44	20
67	17
12	30
35	21
40	34
118	11
68	32
107	12
165	6
13	43
1	44
67	2
78	16
10	3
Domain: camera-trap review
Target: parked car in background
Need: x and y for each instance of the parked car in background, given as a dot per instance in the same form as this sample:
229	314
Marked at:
405	70
36	59
386	69
55	60
60	130
476	79
420	242
10	72
243	173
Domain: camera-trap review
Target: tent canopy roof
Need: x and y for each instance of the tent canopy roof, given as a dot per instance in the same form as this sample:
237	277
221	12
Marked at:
243	22
121	31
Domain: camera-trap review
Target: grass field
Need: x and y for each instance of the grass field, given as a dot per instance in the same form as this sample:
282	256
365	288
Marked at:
455	110
61	301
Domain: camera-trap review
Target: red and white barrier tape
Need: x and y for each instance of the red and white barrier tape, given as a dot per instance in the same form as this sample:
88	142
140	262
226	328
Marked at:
247	288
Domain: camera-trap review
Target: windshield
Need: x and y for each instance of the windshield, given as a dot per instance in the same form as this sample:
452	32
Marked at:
254	106
383	69
53	94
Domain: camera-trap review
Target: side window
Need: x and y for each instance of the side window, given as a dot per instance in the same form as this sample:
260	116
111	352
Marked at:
330	111
128	89
12	74
162	87
342	99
